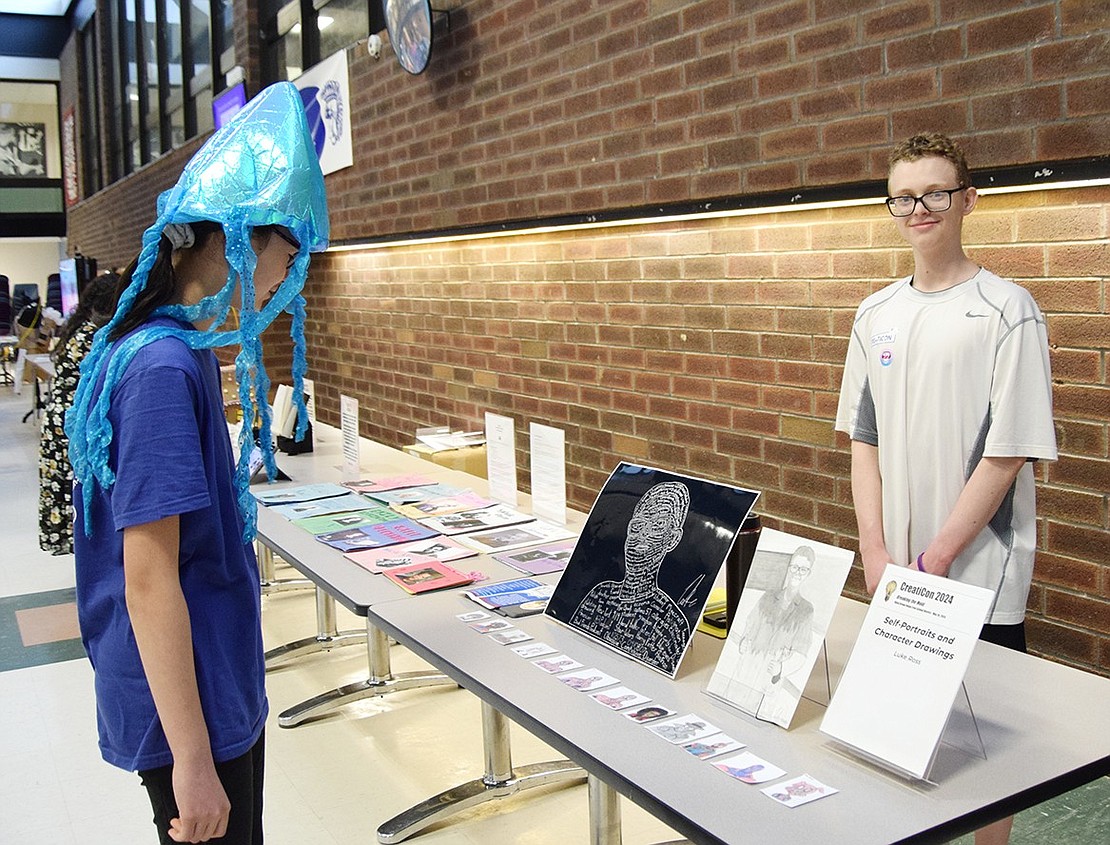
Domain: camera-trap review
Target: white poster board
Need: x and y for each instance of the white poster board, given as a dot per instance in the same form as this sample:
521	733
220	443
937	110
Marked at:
776	635
547	455
348	425
906	668
501	458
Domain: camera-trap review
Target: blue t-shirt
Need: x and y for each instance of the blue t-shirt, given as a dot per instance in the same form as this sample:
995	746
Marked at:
172	455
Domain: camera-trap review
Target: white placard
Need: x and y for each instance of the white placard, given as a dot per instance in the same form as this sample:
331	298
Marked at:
310	398
501	458
325	92
549	472
899	685
348	424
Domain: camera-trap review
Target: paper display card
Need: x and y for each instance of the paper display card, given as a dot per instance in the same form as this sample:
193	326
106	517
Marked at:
515	537
548	464
501	458
476	520
508	592
670	532
776	635
620	698
556	663
342	521
422	551
303	493
426	577
910	658
748	768
683	729
370	486
348	426
442	506
551	557
376	536
412	495
713	746
797	791
587	680
532	650
651	713
323	507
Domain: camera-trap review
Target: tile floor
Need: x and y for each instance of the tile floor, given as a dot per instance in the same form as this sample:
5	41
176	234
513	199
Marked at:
329	782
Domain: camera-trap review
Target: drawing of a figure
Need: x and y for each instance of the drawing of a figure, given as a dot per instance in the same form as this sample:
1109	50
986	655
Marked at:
634	614
679	731
774	642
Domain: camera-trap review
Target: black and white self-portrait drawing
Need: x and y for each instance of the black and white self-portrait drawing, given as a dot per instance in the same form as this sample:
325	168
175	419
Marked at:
643	567
779	626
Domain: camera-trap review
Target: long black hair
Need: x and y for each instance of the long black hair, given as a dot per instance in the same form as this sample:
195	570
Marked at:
96	305
161	284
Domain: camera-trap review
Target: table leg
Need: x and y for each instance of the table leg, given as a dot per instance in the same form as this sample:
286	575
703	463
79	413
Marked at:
382	681
605	812
270	583
499	781
327	635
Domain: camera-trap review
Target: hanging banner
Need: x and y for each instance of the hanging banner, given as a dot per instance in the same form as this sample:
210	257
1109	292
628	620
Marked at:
69	157
325	91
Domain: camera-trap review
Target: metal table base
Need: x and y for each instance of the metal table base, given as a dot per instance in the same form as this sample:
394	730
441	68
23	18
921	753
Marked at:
499	781
327	636
269	581
381	681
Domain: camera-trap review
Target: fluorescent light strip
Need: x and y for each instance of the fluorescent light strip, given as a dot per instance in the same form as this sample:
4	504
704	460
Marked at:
684	217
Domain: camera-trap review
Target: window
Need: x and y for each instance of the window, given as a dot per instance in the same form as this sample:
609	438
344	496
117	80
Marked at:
165	60
299	33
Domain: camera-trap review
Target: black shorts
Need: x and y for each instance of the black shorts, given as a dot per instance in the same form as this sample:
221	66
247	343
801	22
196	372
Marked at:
1007	636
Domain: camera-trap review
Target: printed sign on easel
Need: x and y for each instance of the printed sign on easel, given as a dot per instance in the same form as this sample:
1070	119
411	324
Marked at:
900	683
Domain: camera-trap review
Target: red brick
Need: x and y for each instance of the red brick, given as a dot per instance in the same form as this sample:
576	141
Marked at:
762	54
783	18
861	131
851	65
1058	641
830	102
1027	106
914	86
1016	30
893	20
1081	611
1071	58
1074	139
822	39
801	140
785	82
930	49
1088	97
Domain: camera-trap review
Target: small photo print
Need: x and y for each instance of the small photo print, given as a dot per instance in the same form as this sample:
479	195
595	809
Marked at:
587	680
508	636
619	698
558	663
472	616
532	650
649	713
713	746
749	768
683	729
802	790
488	626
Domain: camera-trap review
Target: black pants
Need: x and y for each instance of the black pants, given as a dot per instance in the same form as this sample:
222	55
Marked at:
242	781
1009	636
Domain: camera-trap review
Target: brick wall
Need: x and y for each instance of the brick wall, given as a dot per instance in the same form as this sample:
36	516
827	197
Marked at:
715	348
547	107
710	347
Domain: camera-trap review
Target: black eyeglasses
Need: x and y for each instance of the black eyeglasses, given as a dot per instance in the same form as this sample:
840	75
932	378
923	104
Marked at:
904	206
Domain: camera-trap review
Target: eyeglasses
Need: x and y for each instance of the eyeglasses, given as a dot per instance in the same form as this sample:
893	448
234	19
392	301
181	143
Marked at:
904	206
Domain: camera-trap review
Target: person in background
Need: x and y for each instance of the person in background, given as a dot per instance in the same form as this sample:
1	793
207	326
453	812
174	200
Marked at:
98	301
168	596
947	398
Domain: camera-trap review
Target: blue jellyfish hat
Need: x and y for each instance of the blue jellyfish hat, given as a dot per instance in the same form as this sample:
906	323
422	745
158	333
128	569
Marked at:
259	169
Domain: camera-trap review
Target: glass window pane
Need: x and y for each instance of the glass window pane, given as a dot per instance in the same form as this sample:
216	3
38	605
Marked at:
150	54
289	54
342	23
201	35
225	20
204	111
131	87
